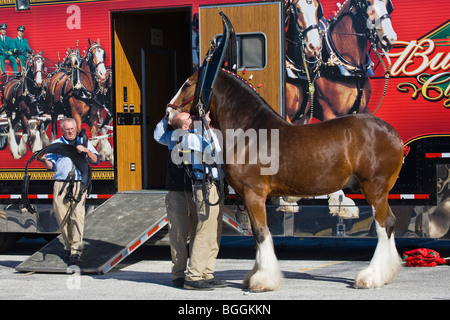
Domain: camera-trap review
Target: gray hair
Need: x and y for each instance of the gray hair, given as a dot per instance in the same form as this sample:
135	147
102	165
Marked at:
67	119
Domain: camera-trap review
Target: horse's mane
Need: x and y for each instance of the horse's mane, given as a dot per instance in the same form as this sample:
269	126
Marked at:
343	8
249	102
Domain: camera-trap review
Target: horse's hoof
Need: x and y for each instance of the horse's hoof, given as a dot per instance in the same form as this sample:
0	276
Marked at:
257	289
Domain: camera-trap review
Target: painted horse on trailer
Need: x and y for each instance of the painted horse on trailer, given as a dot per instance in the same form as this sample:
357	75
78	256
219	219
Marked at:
74	94
343	86
22	101
304	22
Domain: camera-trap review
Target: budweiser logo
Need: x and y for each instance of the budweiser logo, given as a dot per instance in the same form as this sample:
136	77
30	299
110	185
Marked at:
428	60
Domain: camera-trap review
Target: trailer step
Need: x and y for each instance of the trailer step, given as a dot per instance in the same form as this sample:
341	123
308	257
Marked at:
112	231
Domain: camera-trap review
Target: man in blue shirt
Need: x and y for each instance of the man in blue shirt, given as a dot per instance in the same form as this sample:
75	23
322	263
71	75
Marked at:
69	202
189	215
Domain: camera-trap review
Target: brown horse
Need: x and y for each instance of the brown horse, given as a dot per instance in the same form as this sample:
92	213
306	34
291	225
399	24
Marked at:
303	42
73	93
358	150
343	86
22	99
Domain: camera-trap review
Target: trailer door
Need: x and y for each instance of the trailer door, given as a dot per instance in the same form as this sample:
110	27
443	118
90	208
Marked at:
260	37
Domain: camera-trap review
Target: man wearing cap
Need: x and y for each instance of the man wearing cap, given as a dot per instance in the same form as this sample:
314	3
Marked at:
21	46
6	49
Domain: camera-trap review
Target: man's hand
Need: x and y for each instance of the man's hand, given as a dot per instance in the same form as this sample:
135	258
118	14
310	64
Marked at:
92	156
47	164
81	148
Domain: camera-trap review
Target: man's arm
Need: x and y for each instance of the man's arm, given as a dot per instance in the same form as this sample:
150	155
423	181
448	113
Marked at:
47	163
164	136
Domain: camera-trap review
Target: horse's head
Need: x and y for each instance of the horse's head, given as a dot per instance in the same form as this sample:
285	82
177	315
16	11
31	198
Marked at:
183	99
38	68
97	55
309	14
378	12
72	59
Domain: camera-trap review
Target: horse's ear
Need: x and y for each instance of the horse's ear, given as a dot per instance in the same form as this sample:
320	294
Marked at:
98	41
89	41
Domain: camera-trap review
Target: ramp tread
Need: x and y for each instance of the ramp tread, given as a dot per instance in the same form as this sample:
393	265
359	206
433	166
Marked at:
110	230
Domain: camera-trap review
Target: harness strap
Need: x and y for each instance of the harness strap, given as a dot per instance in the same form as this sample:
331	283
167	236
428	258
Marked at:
387	75
181	106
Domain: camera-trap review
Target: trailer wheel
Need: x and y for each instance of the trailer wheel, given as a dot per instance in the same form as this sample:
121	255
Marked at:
7	240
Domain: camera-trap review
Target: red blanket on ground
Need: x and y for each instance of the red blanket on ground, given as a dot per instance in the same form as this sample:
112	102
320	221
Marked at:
422	258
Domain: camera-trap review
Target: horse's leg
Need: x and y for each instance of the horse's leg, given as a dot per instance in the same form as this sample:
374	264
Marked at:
386	262
367	92
54	126
266	274
18	150
293	103
76	108
94	121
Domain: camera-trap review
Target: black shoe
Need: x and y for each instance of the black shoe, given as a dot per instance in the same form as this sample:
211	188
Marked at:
74	259
198	285
217	283
66	255
178	282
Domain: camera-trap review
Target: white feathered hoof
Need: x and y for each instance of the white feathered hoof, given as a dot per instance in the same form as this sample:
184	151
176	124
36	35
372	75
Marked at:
266	274
371	278
384	266
262	281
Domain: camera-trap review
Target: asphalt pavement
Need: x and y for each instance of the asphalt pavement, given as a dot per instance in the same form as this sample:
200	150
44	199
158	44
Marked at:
312	272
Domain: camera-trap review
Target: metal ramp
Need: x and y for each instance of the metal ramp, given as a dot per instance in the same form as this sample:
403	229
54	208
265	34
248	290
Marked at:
112	231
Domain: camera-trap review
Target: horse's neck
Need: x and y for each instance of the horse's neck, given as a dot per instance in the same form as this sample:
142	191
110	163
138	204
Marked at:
347	38
292	45
87	77
243	109
29	78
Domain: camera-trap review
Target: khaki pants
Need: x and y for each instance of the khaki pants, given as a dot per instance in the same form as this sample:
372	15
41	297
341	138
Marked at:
205	245
182	220
71	227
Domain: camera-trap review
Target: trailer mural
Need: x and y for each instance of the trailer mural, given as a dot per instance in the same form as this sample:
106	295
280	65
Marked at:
407	85
30	111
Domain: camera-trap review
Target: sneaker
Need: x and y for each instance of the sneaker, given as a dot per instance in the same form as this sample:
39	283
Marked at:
198	285
178	282
217	283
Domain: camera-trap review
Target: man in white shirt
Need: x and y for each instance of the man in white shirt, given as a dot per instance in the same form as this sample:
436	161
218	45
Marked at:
69	197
